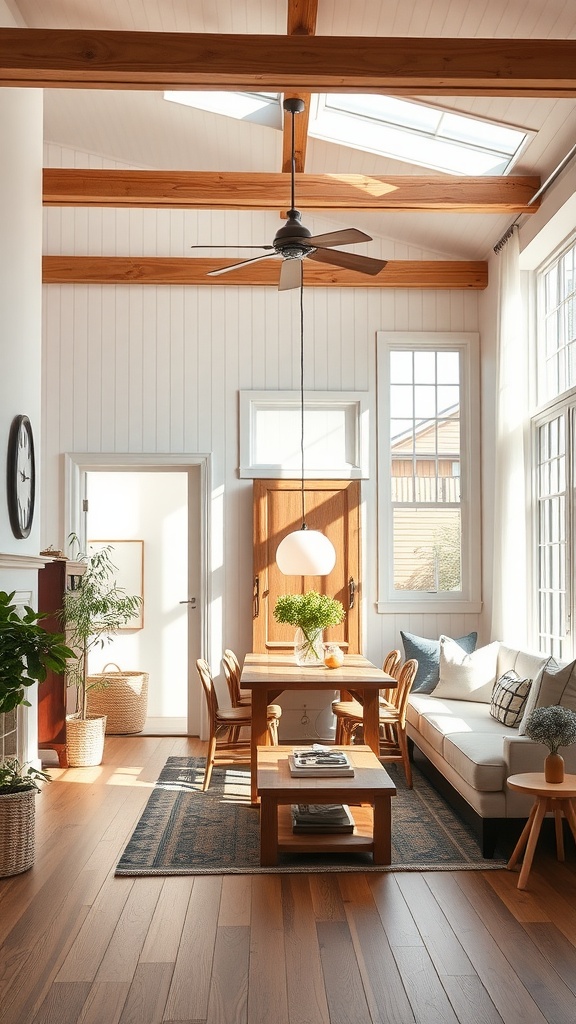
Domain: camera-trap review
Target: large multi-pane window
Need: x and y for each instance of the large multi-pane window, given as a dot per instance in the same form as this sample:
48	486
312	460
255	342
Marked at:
554	455
550	441
429	542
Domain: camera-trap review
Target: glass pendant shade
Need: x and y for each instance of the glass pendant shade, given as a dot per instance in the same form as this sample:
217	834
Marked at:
305	553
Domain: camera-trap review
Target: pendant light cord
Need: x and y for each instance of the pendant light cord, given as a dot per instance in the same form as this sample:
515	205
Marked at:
304	527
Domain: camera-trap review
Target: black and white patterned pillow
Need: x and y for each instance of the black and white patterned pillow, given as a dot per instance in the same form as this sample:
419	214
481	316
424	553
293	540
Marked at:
509	698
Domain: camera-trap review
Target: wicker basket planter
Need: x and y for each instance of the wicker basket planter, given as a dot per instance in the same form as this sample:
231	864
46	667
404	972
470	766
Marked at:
17	838
124	700
85	740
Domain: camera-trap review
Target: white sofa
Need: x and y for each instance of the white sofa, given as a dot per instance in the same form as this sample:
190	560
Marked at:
469	755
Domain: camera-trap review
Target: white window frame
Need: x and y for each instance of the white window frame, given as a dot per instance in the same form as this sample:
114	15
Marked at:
355	403
469	599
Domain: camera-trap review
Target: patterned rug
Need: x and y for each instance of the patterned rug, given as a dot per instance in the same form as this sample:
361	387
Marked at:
184	831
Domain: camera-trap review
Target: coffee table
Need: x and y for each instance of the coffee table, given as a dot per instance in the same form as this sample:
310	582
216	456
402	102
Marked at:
368	793
557	797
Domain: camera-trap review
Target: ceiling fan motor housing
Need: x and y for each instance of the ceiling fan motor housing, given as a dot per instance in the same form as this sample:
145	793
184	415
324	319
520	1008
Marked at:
290	240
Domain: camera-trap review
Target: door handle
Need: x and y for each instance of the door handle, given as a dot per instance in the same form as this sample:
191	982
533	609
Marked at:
351	592
256	598
191	601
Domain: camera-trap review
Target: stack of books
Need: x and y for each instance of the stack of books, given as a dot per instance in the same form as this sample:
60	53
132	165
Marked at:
321	818
319	762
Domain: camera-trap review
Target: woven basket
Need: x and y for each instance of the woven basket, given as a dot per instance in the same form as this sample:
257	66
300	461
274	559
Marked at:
85	740
17	811
124	700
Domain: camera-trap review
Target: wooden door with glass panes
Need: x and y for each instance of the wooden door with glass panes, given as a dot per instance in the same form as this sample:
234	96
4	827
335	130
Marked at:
332	506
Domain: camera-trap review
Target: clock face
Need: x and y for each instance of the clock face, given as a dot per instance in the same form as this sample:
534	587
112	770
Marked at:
21	480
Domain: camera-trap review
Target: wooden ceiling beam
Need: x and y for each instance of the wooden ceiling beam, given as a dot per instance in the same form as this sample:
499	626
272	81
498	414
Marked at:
183	271
218	190
99	59
301	21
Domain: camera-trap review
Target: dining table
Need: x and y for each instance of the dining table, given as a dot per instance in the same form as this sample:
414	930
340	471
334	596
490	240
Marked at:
267	675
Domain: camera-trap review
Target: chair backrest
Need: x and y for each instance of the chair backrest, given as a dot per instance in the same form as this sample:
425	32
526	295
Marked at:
400	696
392	663
231	667
208	687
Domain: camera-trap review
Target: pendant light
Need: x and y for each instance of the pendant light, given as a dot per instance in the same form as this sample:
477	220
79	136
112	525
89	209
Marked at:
304	552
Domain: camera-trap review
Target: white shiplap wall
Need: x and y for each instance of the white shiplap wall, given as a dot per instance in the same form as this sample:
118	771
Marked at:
130	369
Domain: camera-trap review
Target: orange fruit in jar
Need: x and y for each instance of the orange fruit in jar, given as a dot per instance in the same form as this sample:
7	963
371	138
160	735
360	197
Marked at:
332	661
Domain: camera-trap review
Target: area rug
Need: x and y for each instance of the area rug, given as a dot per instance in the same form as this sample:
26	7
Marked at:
184	831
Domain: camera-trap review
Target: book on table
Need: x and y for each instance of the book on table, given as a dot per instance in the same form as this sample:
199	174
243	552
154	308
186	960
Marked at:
319	763
322	818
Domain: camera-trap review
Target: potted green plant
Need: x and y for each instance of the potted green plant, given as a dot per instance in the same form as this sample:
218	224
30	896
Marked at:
27	651
93	612
310	613
19	784
555	727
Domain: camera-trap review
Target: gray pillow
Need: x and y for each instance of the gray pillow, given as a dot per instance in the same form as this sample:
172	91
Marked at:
427	654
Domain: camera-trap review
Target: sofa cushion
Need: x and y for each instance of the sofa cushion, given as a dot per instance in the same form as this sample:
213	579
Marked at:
478	758
466	676
509	698
427	654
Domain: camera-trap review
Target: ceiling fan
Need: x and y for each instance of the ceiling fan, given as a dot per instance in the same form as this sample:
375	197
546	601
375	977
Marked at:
294	242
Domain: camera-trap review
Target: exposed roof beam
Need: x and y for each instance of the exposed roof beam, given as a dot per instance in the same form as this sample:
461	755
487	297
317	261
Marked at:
211	190
93	59
183	271
301	21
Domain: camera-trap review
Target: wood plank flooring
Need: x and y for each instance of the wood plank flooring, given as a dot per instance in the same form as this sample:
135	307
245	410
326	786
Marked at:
79	946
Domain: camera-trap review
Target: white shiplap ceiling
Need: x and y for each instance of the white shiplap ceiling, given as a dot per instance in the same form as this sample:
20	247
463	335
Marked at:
143	130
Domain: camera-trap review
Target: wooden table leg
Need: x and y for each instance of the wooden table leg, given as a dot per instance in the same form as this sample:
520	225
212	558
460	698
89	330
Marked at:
382	830
371	718
570	814
557	808
258	735
268	831
519	848
532	840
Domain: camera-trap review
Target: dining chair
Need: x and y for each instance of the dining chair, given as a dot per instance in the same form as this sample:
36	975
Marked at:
225	723
232	672
392	716
390	666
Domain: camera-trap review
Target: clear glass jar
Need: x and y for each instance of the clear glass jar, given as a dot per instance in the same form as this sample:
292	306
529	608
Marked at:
333	656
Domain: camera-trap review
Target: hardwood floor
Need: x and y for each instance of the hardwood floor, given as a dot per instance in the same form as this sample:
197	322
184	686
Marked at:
79	945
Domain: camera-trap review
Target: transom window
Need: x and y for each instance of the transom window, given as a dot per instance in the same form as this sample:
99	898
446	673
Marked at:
557	326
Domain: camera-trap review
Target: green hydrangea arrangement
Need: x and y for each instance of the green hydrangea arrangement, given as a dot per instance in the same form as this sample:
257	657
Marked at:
311	612
554	726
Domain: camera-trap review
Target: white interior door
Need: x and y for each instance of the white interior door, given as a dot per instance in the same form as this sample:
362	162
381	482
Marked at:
161	506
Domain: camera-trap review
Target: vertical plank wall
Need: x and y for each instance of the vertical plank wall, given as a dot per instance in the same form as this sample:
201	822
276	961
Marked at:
131	368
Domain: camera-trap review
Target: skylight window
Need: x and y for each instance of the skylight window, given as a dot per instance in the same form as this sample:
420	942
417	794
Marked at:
416	133
258	107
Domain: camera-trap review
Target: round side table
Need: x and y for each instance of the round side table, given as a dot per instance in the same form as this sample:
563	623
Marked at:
556	797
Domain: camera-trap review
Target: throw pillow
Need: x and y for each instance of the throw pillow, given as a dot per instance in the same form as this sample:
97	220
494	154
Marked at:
549	669
509	698
466	676
427	654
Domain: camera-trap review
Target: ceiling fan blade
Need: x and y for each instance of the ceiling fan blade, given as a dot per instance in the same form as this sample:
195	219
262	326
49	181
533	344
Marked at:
348	260
345	237
231	246
290	275
234	266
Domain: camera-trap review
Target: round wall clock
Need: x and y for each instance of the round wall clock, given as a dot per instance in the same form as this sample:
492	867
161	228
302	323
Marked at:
21	476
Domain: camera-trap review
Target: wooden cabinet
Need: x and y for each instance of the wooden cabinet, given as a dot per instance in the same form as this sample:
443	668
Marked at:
332	506
53	580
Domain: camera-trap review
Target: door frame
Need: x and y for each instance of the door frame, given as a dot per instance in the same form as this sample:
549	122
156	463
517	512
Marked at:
78	464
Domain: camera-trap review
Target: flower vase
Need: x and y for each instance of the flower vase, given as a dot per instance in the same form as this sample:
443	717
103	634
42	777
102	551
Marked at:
308	648
554	768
